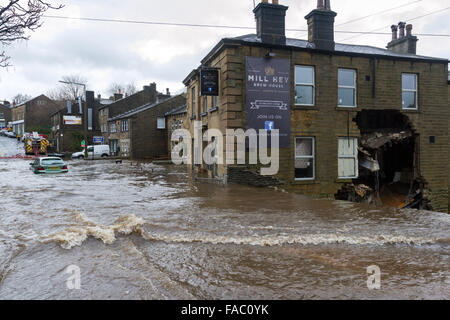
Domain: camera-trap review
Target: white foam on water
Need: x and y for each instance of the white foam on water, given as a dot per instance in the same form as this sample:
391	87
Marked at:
76	235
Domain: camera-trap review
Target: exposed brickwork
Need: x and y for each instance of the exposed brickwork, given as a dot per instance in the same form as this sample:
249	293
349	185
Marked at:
6	111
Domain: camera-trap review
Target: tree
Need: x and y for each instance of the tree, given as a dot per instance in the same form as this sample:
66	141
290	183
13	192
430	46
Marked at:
68	91
19	98
16	18
127	89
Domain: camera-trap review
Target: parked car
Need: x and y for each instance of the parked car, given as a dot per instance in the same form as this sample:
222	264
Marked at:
94	152
48	165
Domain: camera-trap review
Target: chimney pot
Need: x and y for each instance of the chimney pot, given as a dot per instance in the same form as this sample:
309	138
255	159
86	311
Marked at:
320	4
409	30
168	91
401	26
394	29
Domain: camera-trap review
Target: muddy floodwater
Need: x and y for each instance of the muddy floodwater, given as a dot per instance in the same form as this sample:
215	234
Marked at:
152	232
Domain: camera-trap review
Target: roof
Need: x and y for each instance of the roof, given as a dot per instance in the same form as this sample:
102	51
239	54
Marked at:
141	109
343	49
176	111
29	100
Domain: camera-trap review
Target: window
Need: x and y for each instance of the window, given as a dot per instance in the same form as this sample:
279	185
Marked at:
193	101
409	91
304	158
161	123
346	88
124	125
348	158
104	128
304	86
215	102
112	128
205	104
124	147
90	119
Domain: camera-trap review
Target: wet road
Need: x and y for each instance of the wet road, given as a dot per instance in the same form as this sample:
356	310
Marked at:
151	232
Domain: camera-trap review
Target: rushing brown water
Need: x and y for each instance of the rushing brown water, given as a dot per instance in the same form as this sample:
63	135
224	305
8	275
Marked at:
151	232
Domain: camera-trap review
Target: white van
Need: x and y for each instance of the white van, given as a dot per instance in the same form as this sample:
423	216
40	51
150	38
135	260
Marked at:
94	152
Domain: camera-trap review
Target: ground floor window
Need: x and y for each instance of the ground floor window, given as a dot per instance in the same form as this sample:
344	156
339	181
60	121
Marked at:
304	158
348	158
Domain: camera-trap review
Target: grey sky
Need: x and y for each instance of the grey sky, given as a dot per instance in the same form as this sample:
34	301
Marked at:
111	52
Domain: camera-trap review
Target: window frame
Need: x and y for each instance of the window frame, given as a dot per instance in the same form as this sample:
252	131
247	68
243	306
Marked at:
157	123
355	157
355	88
313	156
313	85
416	91
194	101
205	105
111	126
124	125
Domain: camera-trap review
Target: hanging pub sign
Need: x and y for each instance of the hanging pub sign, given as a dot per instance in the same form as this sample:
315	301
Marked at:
209	81
268	96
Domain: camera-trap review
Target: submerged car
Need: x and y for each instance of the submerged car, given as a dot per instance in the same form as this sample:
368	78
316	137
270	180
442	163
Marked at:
48	165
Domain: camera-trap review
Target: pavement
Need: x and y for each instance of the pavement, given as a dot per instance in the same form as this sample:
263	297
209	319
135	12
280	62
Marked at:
10	147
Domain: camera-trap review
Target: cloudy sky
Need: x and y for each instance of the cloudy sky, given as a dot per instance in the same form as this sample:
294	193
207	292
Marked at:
105	52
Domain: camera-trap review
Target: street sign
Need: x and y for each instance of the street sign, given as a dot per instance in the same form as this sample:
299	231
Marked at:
83	144
99	140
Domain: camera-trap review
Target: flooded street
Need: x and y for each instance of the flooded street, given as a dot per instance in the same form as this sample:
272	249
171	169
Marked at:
152	232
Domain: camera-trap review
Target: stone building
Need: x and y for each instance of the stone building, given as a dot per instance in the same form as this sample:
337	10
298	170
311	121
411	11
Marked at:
5	115
33	115
122	104
175	120
355	122
68	124
141	133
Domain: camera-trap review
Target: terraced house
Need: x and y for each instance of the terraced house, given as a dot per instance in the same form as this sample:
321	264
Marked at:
122	104
355	122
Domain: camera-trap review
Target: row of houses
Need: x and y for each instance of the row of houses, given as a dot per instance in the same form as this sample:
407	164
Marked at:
133	126
355	122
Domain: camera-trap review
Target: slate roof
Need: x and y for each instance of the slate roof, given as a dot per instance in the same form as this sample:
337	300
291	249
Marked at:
140	109
339	48
178	110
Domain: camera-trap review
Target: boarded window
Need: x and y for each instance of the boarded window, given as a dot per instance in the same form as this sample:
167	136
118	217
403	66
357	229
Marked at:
348	158
304	158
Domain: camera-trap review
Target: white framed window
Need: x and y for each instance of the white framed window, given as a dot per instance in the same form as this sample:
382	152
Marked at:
409	91
348	158
112	127
124	125
215	102
304	158
205	104
347	88
161	123
304	86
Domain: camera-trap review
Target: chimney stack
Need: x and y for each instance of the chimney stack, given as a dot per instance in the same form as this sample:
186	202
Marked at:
321	26
271	22
403	43
394	29
168	92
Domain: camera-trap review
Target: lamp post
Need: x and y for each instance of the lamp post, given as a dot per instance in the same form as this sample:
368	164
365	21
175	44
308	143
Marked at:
85	115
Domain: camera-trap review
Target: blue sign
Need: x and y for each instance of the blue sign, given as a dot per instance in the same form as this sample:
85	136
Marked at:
99	140
270	125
